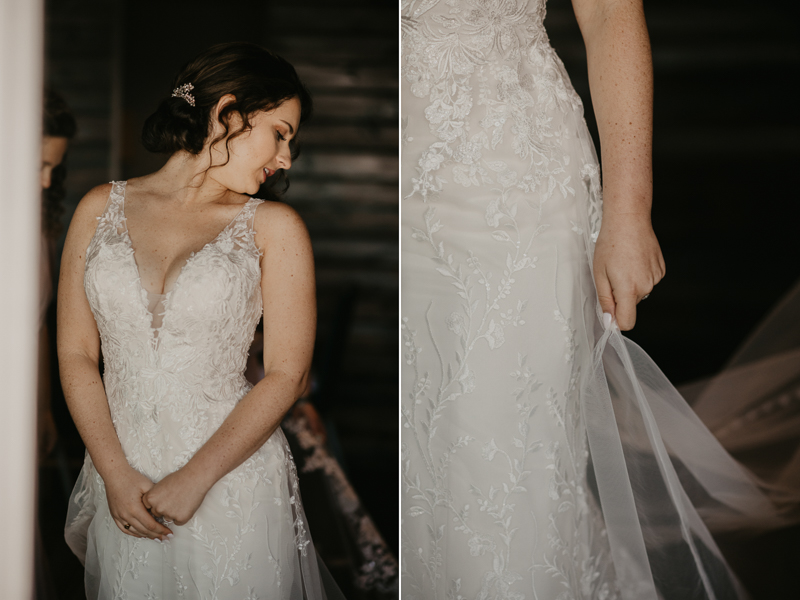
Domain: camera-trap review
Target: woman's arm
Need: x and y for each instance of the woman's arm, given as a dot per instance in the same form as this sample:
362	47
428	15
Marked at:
78	343
287	289
627	260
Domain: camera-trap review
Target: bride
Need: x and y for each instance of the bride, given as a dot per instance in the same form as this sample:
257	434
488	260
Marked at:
544	455
188	488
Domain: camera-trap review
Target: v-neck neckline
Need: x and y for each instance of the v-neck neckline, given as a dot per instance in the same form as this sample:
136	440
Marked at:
144	294
188	260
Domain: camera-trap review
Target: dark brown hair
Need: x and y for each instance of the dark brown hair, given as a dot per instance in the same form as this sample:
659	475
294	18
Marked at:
58	121
258	79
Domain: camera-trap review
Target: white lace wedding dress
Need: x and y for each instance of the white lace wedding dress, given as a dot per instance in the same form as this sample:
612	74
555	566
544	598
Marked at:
544	457
173	371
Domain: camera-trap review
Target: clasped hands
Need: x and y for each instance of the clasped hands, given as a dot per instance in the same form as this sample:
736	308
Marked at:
138	503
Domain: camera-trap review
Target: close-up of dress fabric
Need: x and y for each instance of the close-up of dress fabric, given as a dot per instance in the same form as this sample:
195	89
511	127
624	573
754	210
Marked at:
543	454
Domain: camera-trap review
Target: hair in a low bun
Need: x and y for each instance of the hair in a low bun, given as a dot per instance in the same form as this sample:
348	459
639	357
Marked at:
257	78
176	125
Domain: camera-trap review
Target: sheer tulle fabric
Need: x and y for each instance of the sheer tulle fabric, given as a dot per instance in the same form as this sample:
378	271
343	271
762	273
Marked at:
171	379
205	559
753	405
658	517
543	455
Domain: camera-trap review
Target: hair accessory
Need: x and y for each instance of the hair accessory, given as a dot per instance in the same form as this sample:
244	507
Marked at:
182	91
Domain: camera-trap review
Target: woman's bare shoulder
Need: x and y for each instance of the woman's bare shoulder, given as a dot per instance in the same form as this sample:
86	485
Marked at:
89	209
277	220
93	203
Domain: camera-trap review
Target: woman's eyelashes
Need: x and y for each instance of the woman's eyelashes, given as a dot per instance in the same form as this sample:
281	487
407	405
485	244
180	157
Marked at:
280	136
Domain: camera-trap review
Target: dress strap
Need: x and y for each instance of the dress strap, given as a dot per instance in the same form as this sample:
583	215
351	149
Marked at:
241	228
113	215
117	195
243	224
248	212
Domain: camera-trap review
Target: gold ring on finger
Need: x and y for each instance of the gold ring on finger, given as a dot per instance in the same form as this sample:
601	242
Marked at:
127	526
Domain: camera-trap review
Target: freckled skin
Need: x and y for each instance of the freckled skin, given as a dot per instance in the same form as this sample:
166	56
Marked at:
172	213
628	260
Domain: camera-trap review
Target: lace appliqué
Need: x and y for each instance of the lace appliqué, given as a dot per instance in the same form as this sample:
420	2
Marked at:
169	389
499	164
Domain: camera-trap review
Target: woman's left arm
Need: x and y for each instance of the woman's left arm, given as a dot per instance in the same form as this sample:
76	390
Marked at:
627	259
288	292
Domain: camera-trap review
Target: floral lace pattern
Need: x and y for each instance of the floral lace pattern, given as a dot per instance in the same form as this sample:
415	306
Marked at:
501	211
169	389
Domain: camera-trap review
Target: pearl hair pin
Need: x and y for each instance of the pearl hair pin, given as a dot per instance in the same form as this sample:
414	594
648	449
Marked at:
182	91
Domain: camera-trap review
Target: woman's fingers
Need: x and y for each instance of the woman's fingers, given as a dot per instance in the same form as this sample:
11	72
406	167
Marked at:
153	527
126	492
154	512
626	310
142	524
148	526
627	264
176	497
127	528
605	294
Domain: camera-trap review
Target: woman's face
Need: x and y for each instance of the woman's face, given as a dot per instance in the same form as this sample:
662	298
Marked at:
259	152
53	149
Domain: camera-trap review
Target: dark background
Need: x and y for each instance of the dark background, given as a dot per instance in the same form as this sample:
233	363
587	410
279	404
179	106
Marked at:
114	60
726	158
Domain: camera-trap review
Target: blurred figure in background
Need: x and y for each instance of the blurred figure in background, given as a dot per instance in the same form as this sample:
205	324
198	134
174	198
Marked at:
58	128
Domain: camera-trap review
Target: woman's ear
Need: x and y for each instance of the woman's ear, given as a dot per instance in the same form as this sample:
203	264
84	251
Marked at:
232	120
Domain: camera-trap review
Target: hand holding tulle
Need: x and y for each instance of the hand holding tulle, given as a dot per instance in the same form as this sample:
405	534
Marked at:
124	491
175	498
627	265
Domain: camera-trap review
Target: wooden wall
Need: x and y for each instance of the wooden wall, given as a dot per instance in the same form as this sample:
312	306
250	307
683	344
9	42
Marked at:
345	185
82	46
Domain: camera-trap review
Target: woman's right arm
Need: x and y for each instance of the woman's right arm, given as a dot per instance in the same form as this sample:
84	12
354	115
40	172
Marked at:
78	343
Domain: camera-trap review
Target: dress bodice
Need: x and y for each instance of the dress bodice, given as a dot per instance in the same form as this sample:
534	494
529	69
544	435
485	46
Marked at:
185	375
487	101
449	39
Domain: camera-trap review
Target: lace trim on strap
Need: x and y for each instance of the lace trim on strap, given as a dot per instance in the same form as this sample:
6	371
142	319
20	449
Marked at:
242	230
112	217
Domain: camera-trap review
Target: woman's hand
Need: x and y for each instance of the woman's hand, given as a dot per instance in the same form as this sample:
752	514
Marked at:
176	497
627	265
124	492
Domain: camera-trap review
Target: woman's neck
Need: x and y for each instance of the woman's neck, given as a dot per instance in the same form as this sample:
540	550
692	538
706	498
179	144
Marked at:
188	178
